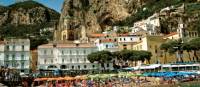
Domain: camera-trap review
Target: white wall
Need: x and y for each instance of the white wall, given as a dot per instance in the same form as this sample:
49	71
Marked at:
128	39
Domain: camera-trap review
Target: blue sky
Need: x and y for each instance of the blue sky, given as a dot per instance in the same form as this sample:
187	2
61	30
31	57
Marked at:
54	4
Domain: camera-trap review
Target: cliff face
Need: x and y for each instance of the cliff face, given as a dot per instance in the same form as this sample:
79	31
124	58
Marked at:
95	15
98	15
91	16
26	13
28	19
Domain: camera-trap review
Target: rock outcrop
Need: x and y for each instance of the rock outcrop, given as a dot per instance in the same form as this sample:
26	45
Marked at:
94	16
26	13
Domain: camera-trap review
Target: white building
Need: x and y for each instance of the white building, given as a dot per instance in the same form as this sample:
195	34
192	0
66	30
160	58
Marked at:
128	38
15	53
108	44
151	25
67	56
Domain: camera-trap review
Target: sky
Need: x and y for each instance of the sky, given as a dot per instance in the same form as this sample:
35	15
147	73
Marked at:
54	4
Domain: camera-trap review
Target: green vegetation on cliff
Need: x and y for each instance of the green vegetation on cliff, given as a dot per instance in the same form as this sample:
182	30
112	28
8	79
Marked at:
34	31
151	7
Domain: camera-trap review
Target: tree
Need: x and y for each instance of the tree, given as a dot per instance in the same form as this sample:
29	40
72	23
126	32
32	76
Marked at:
145	55
101	57
117	55
165	47
194	43
186	46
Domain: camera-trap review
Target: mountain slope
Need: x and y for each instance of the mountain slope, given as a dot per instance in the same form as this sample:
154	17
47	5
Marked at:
98	15
27	19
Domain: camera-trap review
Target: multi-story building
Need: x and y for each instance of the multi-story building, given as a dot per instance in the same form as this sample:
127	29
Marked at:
151	25
126	41
67	56
108	44
15	54
152	44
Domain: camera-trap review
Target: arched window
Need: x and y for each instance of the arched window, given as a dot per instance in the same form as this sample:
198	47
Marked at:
63	66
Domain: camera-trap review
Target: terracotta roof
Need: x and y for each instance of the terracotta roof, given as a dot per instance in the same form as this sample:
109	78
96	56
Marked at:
68	45
171	34
98	35
107	40
126	34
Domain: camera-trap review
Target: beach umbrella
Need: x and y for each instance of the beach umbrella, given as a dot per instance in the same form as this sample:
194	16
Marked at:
40	79
146	74
111	75
104	76
68	78
80	77
51	79
60	78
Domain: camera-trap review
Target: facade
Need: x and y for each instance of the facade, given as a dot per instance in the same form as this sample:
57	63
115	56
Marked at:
127	41
67	56
172	36
15	54
151	25
151	44
108	44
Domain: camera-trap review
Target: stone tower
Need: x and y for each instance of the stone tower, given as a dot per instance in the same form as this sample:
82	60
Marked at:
71	25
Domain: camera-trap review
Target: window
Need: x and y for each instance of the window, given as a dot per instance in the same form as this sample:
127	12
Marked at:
84	52
70	52
93	66
156	47
22	70
7	47
84	59
108	65
13	47
115	40
22	57
72	67
131	39
120	39
106	45
45	61
63	60
13	64
149	46
22	47
22	64
13	57
79	67
85	66
45	52
124	39
70	59
77	59
62	52
77	52
7	57
124	46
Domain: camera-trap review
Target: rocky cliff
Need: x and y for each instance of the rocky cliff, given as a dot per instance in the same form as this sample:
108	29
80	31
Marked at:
98	15
28	19
28	12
